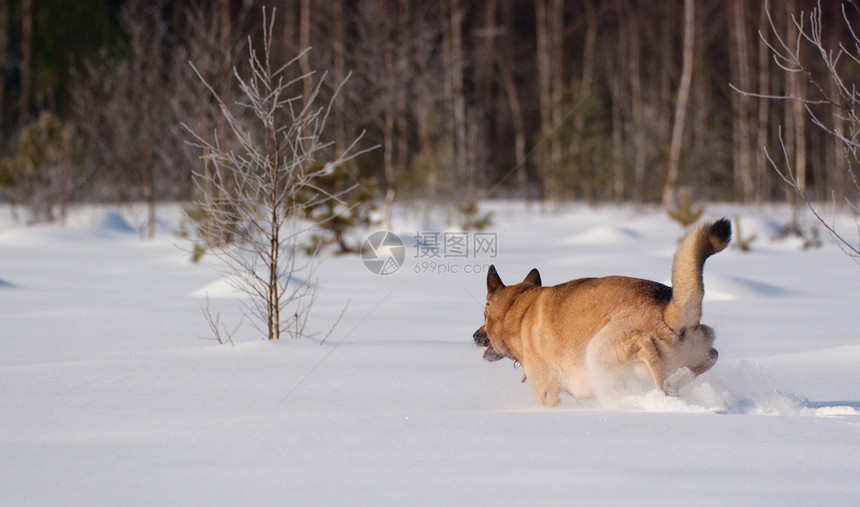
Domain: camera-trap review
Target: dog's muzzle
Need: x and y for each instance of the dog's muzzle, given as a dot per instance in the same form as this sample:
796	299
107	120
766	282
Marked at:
483	340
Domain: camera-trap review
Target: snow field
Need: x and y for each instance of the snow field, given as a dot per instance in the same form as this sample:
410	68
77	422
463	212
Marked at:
109	396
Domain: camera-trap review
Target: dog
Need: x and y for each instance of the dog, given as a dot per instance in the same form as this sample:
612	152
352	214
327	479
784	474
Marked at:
617	327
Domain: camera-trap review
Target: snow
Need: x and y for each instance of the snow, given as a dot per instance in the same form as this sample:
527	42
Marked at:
111	395
603	235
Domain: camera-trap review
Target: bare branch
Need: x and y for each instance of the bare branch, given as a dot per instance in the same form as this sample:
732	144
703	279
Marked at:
844	98
219	332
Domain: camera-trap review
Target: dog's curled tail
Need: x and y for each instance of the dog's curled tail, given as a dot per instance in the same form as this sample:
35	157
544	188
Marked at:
685	308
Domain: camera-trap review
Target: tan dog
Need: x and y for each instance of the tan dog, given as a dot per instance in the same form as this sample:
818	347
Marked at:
617	327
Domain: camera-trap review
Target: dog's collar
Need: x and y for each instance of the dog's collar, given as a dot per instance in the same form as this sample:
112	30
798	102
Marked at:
517	364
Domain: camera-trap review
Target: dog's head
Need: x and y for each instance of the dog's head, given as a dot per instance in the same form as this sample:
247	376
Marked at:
499	299
483	340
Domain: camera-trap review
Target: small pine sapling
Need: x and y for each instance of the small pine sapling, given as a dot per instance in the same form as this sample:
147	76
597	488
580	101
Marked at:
193	219
740	242
41	174
472	218
686	213
810	237
335	218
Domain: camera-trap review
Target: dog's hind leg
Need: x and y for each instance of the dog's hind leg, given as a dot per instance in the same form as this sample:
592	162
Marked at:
615	355
650	355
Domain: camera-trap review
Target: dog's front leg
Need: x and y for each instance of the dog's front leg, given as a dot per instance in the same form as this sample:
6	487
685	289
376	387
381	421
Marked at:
544	387
674	382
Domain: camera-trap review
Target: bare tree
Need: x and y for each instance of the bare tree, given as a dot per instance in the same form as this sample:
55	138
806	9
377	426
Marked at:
26	61
389	129
764	84
509	82
631	33
549	15
339	65
213	47
837	93
455	64
142	20
427	101
271	163
4	58
582	86
681	102
742	107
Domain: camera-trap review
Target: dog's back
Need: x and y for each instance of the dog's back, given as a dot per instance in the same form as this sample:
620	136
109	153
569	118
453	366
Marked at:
569	315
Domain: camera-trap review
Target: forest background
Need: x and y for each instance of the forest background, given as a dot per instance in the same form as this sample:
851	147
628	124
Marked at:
544	100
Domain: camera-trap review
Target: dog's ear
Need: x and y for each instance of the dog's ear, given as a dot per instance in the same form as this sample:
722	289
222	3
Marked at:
533	277
494	282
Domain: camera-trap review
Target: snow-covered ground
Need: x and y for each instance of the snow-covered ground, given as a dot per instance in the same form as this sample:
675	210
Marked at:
109	396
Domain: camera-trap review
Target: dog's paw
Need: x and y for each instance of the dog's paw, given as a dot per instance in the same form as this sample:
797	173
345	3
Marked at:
674	382
551	399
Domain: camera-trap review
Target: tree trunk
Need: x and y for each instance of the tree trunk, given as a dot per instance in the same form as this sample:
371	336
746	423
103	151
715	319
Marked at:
425	106
617	192
549	33
544	76
340	72
794	125
485	50
701	94
630	26
305	43
509	84
401	89
741	104
388	121
681	100
465	176
663	75
4	58
762	135
273	295
288	32
617	80
837	168
556	32
225	81
581	166
26	61
485	126
152	60
148	150
799	113
423	114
